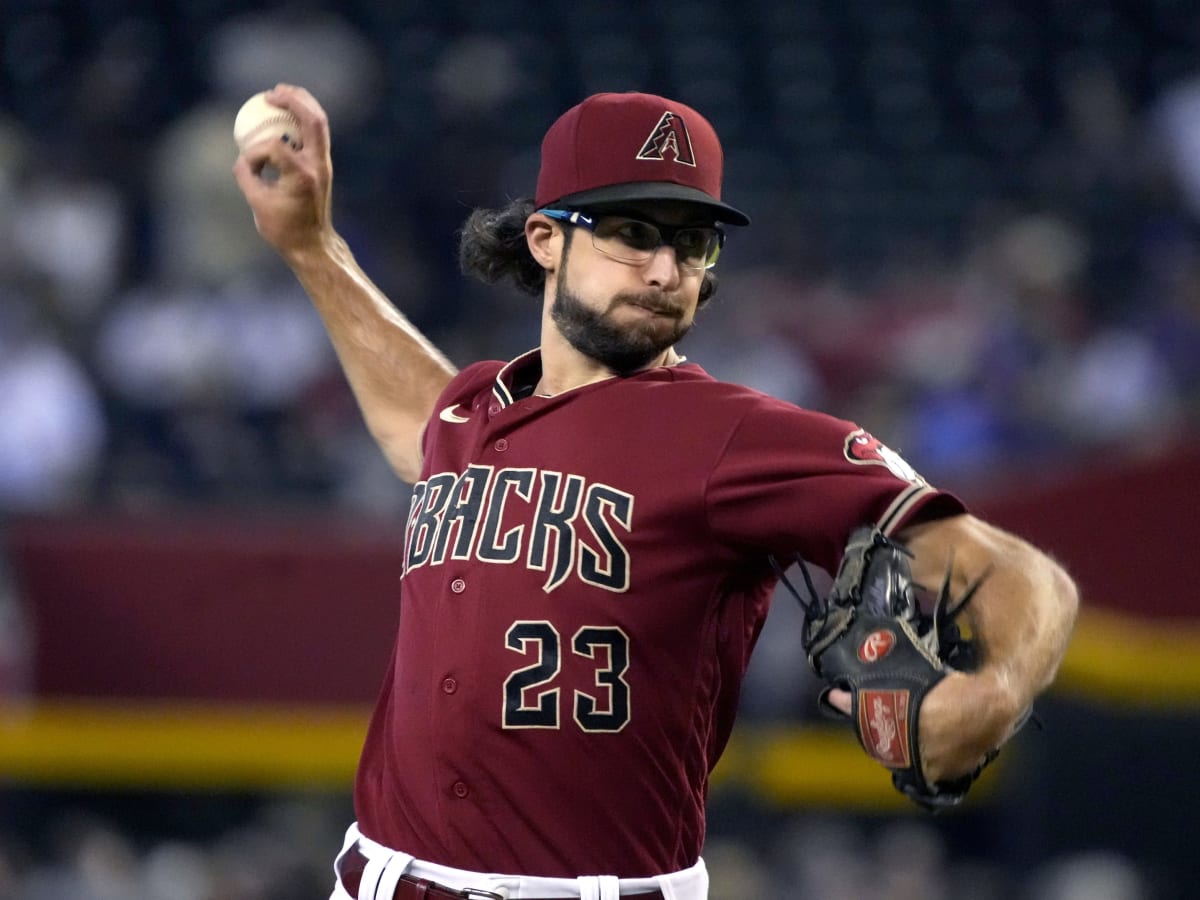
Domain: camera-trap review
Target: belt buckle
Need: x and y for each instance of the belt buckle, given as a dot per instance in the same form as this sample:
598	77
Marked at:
470	893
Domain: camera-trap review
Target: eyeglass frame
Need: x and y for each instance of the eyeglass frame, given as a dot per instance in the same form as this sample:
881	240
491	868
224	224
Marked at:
666	234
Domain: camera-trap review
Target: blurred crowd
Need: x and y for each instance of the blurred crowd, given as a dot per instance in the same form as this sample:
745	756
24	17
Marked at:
978	306
282	852
976	233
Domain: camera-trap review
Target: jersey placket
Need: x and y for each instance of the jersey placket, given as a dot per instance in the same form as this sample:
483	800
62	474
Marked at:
455	684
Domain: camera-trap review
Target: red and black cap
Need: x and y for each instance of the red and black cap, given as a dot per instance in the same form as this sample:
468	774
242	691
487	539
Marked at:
613	148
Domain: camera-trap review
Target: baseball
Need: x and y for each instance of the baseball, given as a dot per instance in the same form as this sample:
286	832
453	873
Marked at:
258	120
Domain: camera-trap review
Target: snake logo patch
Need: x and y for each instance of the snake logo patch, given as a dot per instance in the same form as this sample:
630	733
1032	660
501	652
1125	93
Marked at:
864	449
877	645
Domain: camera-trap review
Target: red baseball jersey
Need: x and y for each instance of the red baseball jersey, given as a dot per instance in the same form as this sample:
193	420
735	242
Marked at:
585	577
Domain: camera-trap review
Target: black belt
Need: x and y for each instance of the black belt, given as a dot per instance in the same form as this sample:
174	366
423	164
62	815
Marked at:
351	865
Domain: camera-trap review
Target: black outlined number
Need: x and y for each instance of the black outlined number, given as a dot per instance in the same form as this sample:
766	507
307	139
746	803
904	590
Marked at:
610	710
532	701
528	703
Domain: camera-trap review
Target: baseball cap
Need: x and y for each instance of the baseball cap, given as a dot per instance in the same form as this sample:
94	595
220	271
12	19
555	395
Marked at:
617	147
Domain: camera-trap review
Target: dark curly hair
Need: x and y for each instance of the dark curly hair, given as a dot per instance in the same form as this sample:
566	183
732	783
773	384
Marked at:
492	248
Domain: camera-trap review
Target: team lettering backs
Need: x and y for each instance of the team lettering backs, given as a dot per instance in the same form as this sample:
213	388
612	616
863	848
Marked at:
552	522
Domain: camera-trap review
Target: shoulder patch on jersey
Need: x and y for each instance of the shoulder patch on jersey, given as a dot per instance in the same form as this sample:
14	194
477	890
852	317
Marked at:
864	449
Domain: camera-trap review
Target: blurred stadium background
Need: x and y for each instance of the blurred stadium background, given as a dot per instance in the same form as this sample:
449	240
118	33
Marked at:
976	232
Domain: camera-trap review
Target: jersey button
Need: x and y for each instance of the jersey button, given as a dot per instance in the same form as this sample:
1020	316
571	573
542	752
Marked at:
493	409
458	585
501	445
449	685
460	790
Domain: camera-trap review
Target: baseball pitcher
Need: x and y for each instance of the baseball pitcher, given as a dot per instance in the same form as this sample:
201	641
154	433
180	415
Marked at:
596	530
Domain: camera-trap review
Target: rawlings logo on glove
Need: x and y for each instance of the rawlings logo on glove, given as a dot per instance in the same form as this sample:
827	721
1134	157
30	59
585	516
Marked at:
881	716
876	646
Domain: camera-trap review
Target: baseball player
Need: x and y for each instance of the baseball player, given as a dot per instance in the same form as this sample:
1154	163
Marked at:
588	552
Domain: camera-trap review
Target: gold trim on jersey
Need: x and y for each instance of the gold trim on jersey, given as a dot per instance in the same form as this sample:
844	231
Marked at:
899	509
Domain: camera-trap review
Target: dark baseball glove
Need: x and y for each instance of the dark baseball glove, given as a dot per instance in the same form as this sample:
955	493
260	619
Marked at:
870	637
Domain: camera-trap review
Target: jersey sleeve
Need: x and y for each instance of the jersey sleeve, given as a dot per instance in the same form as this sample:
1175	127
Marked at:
798	482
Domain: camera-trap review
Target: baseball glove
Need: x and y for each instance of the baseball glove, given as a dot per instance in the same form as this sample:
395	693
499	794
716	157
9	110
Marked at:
870	637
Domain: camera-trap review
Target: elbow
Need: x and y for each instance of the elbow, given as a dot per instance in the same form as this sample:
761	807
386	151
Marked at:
400	444
1066	592
404	463
406	472
1058	618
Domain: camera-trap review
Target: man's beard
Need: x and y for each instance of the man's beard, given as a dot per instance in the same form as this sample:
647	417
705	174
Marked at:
595	335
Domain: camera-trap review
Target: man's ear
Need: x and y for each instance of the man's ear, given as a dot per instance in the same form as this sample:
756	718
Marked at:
545	241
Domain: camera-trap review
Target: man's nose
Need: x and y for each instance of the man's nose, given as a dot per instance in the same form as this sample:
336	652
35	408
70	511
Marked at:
662	269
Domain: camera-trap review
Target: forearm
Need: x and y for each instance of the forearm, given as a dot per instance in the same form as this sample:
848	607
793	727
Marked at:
1021	616
396	374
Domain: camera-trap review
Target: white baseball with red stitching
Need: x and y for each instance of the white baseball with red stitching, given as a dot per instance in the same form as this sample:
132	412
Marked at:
258	120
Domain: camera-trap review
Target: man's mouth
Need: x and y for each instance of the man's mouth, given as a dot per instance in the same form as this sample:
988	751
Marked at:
658	309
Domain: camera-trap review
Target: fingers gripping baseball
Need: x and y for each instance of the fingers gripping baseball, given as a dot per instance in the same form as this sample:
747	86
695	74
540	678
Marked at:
284	168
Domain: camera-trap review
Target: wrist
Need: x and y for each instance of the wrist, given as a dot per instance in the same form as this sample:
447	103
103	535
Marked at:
964	717
327	248
1005	704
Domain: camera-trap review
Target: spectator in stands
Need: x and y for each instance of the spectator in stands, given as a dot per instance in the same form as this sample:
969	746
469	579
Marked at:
52	426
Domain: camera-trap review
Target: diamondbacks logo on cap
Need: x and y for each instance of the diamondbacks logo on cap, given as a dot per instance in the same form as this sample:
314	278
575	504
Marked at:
669	138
